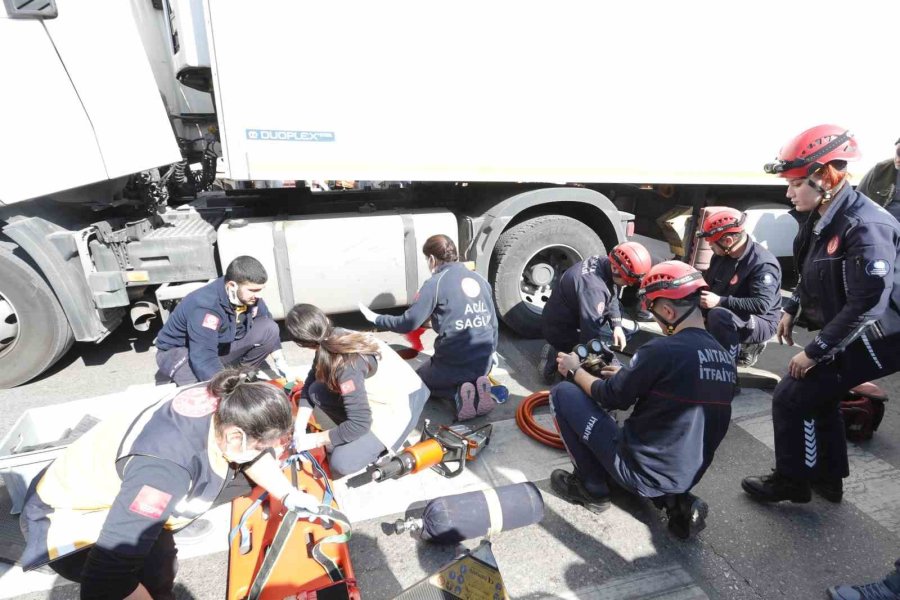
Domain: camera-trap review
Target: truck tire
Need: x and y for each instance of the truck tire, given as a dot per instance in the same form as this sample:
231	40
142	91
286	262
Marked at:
528	261
34	331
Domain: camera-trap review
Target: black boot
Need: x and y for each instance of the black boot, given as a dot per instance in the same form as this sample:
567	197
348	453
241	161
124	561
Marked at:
547	365
776	487
570	488
830	489
749	354
687	513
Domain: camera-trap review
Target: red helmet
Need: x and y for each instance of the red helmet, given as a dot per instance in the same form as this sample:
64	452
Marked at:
811	150
630	261
720	222
671	279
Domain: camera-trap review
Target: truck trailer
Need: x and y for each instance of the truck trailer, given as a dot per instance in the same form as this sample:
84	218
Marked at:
145	144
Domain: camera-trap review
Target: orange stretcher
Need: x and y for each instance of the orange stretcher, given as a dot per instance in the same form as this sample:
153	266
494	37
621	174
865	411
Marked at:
276	555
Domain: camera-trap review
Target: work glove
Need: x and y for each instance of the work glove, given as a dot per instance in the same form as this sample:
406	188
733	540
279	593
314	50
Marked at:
297	500
368	313
304	441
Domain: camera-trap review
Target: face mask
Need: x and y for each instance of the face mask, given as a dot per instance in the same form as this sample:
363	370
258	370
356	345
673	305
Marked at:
245	455
233	295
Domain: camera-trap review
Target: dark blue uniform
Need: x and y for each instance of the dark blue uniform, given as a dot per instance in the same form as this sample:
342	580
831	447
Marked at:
681	388
462	312
205	333
750	301
850	288
583	301
104	512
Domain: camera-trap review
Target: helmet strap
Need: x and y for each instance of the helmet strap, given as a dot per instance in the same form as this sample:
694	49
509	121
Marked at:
825	196
671	325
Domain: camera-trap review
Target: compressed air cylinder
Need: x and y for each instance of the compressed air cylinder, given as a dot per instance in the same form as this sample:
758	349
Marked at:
451	519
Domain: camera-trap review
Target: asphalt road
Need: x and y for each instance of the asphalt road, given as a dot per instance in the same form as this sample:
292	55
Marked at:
748	550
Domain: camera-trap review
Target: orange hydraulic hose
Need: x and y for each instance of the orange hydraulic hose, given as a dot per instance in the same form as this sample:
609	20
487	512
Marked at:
527	423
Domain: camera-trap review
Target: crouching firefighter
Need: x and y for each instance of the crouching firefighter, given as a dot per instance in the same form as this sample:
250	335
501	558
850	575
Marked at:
847	252
104	512
743	302
584	304
681	387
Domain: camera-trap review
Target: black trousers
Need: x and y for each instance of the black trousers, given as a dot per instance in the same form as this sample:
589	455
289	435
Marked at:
250	351
591	437
161	563
809	430
731	331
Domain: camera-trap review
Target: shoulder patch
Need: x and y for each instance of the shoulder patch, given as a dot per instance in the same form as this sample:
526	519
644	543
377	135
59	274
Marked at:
768	279
470	287
877	268
195	402
600	307
833	244
211	321
348	387
150	502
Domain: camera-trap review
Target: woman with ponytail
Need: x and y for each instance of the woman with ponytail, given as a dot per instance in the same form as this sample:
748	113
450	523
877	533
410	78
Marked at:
458	304
364	387
104	513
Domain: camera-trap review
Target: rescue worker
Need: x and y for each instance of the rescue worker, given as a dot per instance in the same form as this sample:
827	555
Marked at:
104	512
371	394
224	323
460	306
586	299
681	387
743	302
882	183
847	253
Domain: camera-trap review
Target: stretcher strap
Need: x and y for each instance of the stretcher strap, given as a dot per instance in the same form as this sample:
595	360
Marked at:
249	511
283	534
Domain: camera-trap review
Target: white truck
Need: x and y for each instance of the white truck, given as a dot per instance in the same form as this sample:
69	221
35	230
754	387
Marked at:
143	144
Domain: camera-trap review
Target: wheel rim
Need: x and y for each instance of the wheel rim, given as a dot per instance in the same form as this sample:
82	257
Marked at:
9	325
535	282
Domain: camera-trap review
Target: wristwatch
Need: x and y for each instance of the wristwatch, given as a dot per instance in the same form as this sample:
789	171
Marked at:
570	375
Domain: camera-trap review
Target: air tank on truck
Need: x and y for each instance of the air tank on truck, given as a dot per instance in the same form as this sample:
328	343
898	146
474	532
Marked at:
149	142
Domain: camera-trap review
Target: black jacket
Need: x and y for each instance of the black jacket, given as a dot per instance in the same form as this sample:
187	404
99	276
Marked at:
584	299
849	280
681	388
748	285
206	323
458	302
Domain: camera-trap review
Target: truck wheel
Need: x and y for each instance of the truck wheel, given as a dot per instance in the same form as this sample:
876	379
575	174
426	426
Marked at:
528	261
34	331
